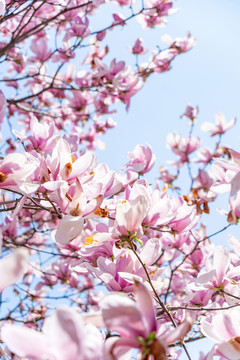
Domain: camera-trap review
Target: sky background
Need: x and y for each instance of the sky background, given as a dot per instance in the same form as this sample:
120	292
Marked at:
207	76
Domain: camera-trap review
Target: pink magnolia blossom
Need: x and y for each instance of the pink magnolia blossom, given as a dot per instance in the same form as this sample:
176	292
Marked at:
234	200
137	325
227	176
190	112
160	210
220	275
141	159
64	54
42	138
155	12
138	47
111	72
221	125
160	62
183	147
185	216
39	48
224	329
78	28
129	216
205	155
64	337
165	176
181	44
16	171
78	208
119	273
63	165
118	19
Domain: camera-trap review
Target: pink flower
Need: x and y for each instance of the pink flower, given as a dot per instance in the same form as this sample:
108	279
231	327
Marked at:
166	177
220	274
234	200
205	155
138	47
183	146
129	216
185	216
39	47
141	159
190	112
221	125
43	139
64	337
118	19
161	61
160	210
134	321
118	273
224	329
155	12
137	325
15	172
180	44
78	28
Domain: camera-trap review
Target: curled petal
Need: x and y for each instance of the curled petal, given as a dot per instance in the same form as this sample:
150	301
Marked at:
15	337
69	228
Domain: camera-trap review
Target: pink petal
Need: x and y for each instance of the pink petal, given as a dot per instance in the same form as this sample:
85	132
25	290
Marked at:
121	348
25	342
64	331
180	331
205	277
12	267
121	314
230	349
221	261
145	303
69	228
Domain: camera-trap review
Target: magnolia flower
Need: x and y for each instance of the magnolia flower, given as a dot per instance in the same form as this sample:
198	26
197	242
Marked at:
138	47
137	325
221	125
129	216
63	337
141	159
134	321
224	329
190	112
180	44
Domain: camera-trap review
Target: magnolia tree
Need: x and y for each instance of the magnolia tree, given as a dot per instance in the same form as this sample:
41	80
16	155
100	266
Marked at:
97	264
